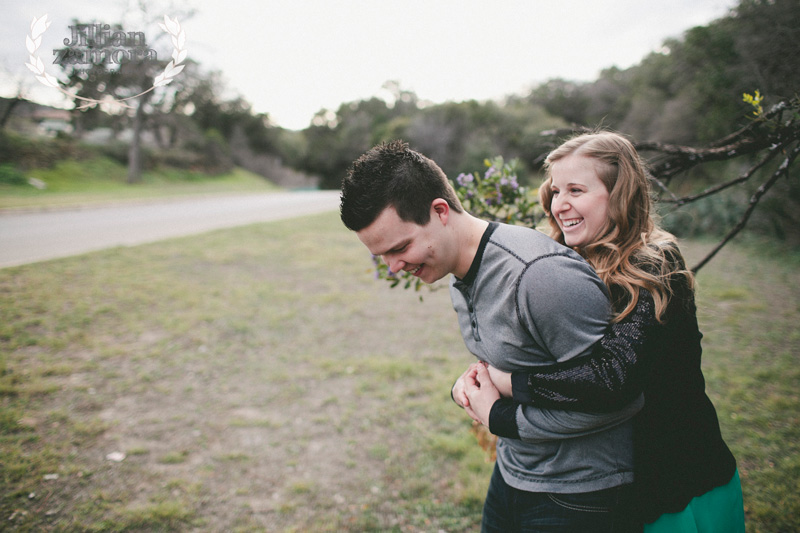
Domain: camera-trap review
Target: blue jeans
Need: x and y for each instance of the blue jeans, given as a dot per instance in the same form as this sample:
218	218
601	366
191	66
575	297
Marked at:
509	510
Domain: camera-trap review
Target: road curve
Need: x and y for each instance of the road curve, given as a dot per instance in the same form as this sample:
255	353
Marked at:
30	237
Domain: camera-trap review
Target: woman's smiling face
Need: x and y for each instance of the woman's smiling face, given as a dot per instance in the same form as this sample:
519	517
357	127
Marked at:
580	200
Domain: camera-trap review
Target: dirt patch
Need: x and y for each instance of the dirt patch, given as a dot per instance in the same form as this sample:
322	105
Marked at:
250	393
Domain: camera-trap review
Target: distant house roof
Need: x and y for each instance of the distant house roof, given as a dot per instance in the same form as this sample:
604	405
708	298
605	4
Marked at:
34	111
50	113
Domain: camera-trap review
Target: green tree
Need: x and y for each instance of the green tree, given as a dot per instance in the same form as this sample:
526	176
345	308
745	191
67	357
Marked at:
335	139
767	33
562	98
130	85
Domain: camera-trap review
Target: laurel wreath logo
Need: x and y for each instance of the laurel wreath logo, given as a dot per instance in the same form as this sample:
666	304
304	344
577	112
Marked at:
173	68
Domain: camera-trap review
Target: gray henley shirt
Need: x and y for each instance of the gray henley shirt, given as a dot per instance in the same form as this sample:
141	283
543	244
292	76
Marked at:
529	301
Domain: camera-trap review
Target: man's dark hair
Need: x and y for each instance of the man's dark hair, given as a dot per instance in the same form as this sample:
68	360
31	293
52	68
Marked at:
392	174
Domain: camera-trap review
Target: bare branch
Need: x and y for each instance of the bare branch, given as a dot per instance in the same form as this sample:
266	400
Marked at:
763	133
783	170
665	189
774	111
674	159
773	151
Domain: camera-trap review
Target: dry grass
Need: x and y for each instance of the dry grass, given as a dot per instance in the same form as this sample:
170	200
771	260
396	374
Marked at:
259	379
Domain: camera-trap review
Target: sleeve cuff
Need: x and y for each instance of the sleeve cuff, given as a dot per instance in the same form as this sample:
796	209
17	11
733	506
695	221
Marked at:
520	388
503	419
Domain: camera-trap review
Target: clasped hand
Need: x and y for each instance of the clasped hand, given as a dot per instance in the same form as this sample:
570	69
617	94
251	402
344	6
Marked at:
479	388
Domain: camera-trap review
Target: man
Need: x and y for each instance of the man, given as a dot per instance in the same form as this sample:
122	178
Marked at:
521	300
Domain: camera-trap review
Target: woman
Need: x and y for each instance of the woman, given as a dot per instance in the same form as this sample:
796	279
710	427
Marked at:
597	198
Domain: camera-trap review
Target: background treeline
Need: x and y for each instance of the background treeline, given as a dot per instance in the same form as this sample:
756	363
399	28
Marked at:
687	93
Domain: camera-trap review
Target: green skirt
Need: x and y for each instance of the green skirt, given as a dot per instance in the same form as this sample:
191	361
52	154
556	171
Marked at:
718	511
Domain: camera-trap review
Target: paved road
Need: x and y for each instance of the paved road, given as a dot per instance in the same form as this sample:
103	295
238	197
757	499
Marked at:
37	236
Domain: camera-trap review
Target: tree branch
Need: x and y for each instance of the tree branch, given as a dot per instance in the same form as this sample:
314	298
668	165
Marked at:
773	151
783	170
664	189
755	137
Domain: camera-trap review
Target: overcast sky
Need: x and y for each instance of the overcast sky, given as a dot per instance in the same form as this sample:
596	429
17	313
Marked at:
291	58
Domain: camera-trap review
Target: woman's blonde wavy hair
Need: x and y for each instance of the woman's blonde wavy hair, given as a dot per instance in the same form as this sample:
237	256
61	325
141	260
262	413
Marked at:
630	255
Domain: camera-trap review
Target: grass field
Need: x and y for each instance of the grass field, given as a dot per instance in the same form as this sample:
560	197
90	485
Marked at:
260	379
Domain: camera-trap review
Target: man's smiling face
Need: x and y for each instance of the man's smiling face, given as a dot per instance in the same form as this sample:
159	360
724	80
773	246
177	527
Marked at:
409	247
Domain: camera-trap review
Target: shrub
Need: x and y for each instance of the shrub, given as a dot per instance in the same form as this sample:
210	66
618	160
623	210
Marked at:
212	153
28	153
10	175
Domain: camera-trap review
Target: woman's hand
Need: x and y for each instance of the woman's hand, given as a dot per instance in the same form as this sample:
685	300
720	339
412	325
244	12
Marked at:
501	380
459	396
481	393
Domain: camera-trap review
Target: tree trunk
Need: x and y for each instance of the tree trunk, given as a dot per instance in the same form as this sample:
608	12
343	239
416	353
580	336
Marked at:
9	107
135	151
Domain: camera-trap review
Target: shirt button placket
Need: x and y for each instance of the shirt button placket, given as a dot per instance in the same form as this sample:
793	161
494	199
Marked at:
473	319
